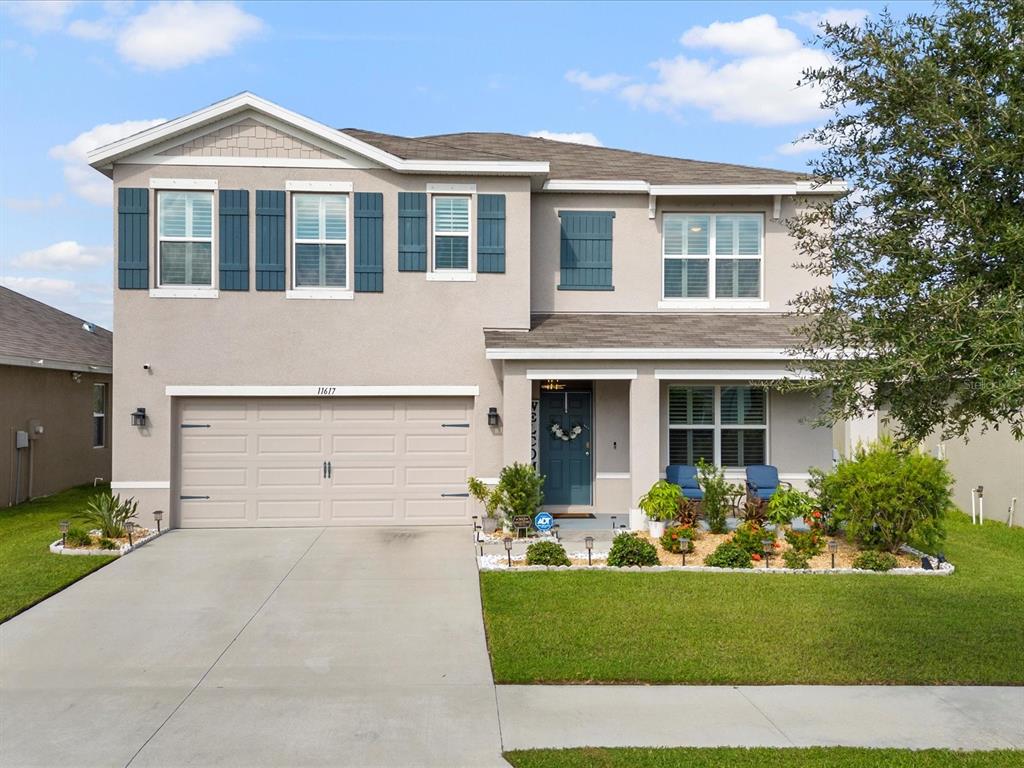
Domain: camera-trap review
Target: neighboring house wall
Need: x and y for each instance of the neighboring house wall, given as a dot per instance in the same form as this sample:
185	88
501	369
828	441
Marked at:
637	251
63	455
416	332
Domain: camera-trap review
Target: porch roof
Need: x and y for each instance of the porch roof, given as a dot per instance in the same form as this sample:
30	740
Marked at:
721	333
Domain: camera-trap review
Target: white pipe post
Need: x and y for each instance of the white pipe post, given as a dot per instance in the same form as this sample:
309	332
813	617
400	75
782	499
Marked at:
981	504
974	513
1013	510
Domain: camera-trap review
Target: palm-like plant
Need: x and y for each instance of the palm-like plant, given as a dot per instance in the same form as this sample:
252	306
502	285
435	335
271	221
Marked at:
109	514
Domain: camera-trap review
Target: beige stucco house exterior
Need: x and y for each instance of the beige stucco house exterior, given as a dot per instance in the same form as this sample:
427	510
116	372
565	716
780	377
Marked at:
337	327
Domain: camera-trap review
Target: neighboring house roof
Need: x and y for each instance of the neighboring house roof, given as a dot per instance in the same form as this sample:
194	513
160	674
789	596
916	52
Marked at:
648	331
572	161
31	331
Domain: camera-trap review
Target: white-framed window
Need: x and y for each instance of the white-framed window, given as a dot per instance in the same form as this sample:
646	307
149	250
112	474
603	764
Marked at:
99	415
712	256
185	239
320	257
726	425
451	231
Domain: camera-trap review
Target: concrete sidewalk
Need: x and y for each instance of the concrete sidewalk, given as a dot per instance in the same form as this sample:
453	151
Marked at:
914	717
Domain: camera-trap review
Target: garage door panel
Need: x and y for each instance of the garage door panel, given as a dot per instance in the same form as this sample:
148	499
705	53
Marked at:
261	461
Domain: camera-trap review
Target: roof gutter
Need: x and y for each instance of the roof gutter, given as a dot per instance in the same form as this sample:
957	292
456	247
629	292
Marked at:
58	365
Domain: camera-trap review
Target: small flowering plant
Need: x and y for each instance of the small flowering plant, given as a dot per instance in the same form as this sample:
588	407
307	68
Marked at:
671	540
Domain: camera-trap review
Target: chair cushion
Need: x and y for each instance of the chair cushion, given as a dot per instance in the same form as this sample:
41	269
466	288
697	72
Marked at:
683	475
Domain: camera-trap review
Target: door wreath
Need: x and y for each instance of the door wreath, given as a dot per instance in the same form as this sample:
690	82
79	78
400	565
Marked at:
559	433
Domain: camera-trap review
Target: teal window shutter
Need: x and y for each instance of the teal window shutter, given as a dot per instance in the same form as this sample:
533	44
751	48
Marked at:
234	239
132	238
270	240
490	229
369	238
586	251
412	231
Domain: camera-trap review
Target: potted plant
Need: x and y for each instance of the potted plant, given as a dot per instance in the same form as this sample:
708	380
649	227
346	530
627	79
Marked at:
519	492
660	504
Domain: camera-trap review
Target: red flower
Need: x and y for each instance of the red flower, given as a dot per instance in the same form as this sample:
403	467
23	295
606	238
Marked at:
776	544
675	535
756	557
817	513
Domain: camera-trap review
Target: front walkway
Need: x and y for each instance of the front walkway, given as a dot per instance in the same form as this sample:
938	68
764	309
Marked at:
914	717
293	647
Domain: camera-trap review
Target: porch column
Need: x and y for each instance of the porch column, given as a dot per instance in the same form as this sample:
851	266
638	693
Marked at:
644	437
515	420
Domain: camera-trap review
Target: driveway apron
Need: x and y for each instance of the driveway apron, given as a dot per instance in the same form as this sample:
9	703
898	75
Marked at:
288	647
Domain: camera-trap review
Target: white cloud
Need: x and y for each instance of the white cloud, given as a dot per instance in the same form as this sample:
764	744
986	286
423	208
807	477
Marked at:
91	30
834	16
26	50
589	82
83	180
34	204
67	255
579	137
40	15
800	147
170	35
756	35
41	288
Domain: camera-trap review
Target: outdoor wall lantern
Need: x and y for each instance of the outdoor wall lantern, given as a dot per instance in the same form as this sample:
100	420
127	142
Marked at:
129	527
589	543
766	546
684	545
613	522
508	549
492	417
64	525
139	417
158	515
833	547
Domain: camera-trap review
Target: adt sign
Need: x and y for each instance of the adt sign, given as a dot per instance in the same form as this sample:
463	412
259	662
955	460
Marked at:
543	522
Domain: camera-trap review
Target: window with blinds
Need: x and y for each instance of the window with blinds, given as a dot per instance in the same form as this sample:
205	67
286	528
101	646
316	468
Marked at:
723	425
320	241
451	233
185	238
712	255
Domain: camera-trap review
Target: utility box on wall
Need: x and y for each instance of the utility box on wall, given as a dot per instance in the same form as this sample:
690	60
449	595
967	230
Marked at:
21	439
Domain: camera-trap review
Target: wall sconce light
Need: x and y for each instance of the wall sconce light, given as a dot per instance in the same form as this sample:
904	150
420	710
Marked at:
589	542
508	549
64	525
492	417
684	547
833	547
76	377
139	417
766	547
158	515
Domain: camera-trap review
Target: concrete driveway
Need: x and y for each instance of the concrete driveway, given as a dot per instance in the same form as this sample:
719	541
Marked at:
294	647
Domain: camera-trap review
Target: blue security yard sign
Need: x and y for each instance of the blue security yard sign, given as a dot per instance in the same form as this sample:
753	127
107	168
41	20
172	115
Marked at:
543	522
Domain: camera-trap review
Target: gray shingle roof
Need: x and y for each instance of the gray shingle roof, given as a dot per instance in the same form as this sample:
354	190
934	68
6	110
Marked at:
31	329
572	161
661	331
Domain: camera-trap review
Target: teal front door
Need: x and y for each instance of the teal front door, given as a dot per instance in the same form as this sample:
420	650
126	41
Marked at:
566	452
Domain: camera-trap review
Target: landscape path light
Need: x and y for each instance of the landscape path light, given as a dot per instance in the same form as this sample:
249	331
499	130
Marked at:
158	515
129	527
766	546
508	549
589	543
64	525
833	547
685	545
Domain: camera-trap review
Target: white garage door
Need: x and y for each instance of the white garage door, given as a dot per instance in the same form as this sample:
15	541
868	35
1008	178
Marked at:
344	461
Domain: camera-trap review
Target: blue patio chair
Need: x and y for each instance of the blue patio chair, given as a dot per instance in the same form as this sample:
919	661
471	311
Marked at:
763	481
685	476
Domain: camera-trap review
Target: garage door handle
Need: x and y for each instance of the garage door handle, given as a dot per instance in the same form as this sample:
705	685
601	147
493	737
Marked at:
189	498
325	469
330	470
455	495
195	426
456	425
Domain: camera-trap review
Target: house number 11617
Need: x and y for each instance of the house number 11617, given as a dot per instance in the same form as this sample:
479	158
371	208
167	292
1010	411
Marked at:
326	390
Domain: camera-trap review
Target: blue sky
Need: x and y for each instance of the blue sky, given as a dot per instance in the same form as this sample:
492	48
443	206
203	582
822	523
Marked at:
711	81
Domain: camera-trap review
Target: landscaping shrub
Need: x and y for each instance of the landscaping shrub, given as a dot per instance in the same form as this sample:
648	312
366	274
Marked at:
687	512
77	537
106	543
795	558
871	560
729	555
787	504
630	549
749	535
661	502
520	491
109	514
810	542
672	536
718	495
889	497
546	553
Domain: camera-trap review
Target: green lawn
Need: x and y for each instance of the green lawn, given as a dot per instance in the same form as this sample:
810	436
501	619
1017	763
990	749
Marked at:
705	628
28	571
817	757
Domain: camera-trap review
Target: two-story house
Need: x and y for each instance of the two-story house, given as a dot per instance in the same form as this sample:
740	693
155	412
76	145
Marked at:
336	327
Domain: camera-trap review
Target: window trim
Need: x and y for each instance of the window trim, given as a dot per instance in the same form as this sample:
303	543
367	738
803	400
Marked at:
717	426
344	292
711	301
180	290
101	415
449	274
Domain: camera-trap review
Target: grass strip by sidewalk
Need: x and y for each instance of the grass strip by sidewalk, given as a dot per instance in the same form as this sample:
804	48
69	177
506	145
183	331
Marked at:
731	629
813	757
29	572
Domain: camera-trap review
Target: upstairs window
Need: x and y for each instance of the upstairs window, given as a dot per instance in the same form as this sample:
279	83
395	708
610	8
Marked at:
320	241
185	235
451	233
712	255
